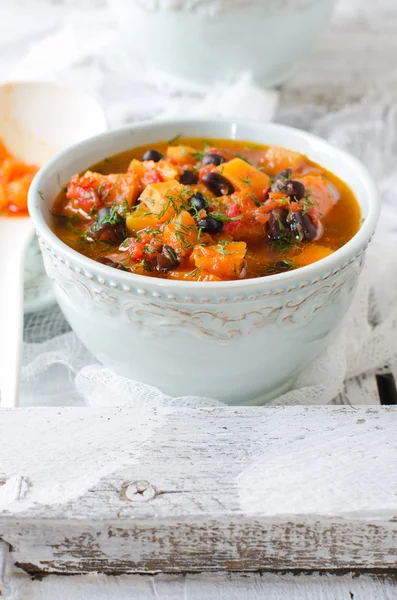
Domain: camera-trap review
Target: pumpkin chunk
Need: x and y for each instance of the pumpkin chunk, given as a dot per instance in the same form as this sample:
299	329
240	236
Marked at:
165	199
182	233
225	260
245	178
184	155
277	159
139	219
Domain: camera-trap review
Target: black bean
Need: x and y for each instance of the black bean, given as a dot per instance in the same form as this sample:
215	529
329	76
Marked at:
294	189
284	174
167	259
277	225
153	155
302	226
217	184
109	227
105	214
104	260
188	178
212	158
282	266
210	225
198	202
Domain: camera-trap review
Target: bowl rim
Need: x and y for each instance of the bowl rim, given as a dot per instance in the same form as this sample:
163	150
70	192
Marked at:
315	271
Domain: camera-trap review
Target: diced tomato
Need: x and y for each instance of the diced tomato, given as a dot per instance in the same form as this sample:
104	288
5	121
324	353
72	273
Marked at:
83	191
94	190
152	176
3	152
204	170
233	210
15	180
17	192
12	169
135	249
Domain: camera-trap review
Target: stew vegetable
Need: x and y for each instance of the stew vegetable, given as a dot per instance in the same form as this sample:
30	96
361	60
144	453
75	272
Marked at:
206	211
15	180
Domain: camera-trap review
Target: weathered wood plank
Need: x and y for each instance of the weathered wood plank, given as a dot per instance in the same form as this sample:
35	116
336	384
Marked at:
176	490
207	587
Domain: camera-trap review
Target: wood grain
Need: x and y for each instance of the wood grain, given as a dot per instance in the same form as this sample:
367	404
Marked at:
209	489
207	587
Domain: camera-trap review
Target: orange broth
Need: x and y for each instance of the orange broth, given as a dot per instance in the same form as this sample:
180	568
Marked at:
277	211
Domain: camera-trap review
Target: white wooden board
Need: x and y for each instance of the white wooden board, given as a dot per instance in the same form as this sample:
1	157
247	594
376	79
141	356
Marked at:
127	491
206	587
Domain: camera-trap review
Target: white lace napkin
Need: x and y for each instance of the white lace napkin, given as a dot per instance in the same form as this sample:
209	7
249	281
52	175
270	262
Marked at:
58	370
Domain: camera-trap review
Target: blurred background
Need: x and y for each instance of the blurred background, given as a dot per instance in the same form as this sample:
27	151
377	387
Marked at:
145	59
112	48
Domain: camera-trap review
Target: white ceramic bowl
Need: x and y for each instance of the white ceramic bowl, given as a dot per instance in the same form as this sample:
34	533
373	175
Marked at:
199	43
38	119
238	341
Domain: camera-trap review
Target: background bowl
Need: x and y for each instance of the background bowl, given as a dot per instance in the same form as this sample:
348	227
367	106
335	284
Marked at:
210	41
38	119
237	341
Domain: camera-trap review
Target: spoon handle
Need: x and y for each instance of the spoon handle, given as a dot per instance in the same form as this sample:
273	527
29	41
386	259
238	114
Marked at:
13	243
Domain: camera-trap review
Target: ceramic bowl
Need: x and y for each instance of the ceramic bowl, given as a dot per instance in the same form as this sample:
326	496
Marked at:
199	43
237	341
38	119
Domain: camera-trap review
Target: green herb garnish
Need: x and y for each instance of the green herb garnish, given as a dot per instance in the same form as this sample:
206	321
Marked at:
308	202
284	243
221	217
194	273
246	180
111	218
174	139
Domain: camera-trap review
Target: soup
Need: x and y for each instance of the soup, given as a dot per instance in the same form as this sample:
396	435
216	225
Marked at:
206	210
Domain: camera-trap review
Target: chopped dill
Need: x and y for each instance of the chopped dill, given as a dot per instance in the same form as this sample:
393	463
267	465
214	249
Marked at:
279	267
111	218
146	265
198	155
174	139
194	273
308	202
246	180
243	158
221	217
284	243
